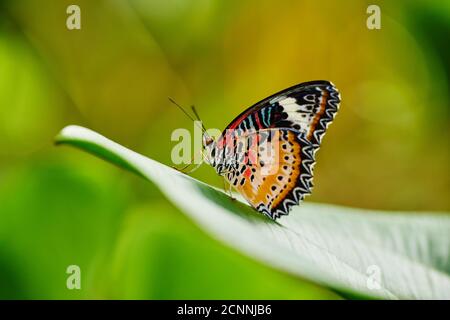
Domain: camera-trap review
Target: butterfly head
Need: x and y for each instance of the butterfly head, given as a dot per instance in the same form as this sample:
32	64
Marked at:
207	140
209	145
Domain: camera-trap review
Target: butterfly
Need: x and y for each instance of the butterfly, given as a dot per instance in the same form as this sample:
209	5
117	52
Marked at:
267	153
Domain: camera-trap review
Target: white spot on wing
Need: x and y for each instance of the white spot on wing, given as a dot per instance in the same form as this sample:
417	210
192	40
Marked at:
287	101
291	107
277	99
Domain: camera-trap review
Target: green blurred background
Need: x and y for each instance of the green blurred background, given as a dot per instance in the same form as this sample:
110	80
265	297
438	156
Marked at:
388	148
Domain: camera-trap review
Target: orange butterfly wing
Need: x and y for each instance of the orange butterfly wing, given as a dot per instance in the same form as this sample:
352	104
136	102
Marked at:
278	172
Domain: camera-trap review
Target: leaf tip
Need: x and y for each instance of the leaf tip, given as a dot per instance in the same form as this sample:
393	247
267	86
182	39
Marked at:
70	132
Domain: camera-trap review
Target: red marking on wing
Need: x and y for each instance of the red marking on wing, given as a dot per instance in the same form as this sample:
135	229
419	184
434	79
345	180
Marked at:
247	173
257	120
237	121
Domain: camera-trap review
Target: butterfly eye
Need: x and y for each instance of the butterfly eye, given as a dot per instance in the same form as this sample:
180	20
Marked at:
208	141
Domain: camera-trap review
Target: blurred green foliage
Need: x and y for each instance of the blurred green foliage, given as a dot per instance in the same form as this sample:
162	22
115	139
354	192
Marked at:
388	148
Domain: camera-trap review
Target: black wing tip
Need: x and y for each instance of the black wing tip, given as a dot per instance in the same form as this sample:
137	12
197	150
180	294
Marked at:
314	83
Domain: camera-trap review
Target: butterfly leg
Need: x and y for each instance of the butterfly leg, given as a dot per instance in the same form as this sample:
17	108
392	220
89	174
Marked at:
183	169
227	189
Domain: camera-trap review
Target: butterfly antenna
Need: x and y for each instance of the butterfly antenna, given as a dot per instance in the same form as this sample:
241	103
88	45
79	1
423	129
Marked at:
201	127
198	117
181	108
195	112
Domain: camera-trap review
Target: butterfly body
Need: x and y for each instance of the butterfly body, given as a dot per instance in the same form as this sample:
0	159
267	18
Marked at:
267	153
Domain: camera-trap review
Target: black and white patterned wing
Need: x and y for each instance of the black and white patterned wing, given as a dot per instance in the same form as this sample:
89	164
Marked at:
307	107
